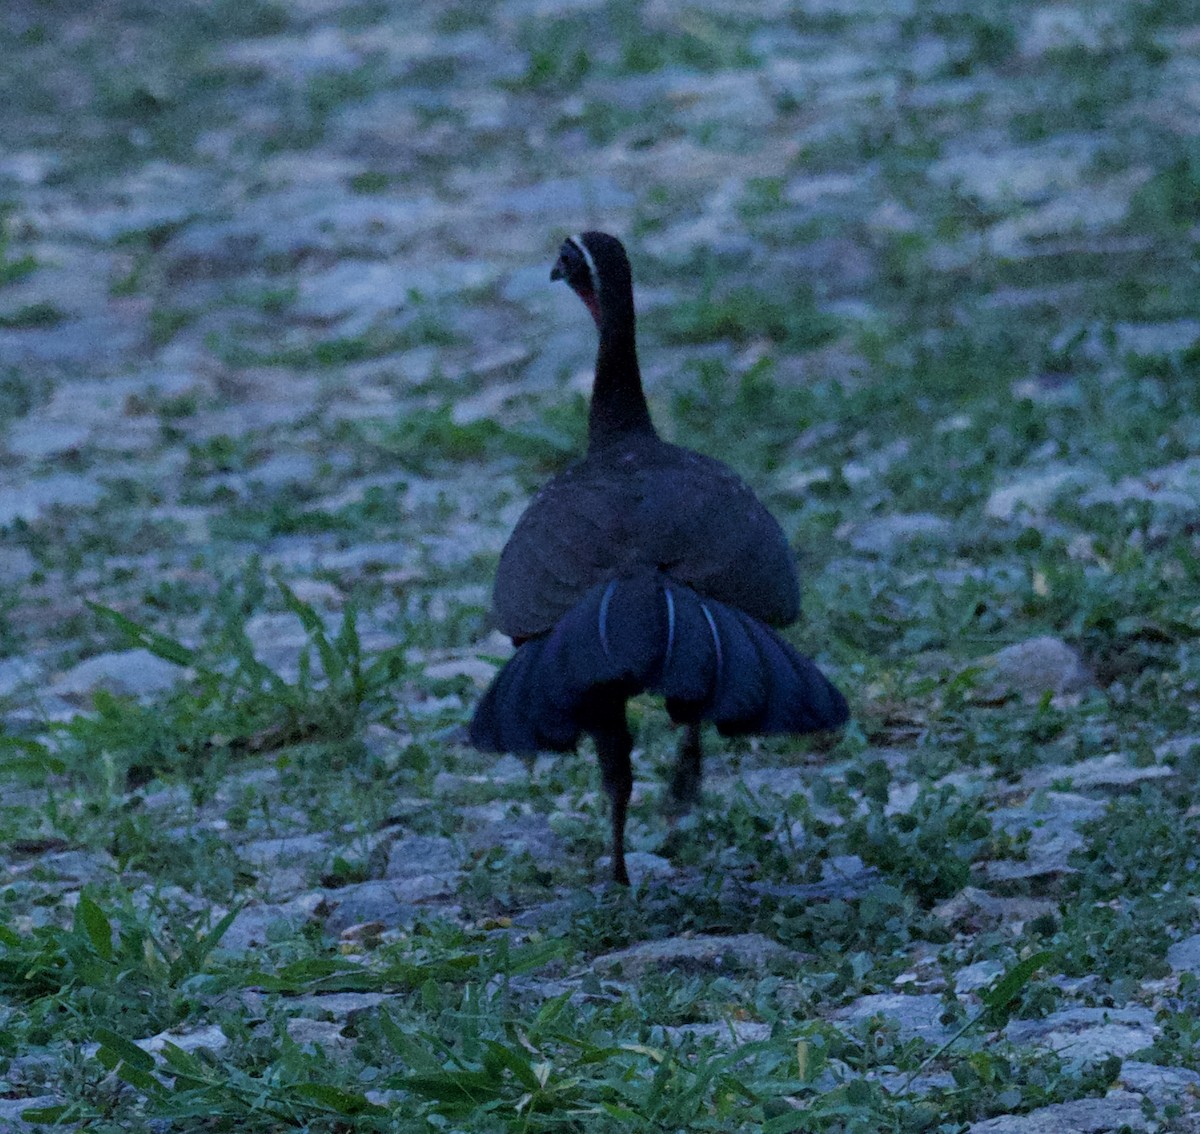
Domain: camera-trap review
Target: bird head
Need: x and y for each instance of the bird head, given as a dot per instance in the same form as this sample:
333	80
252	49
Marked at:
594	264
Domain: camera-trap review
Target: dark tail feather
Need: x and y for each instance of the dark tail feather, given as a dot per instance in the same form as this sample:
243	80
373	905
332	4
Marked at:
797	696
710	661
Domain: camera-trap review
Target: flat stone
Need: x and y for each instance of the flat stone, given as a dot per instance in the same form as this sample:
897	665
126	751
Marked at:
887	534
29	500
1163	1086
916	1016
562	197
727	1034
210	1038
1184	956
390	901
35	439
1083	1116
1087	209
254	926
1061	27
1088	1034
423	854
703	953
301	57
317	1033
17	674
1050	821
1110	771
1157	338
16	565
12	1109
973	978
531	833
1038	666
281	470
640	864
1171	486
308	848
76	865
341	1006
1177	747
133	673
1032	495
372	288
1016	174
975	909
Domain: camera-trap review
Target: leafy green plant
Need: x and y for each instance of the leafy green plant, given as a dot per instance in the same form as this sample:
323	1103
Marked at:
245	705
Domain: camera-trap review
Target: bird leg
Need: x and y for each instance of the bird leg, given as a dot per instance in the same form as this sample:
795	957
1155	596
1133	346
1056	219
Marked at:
684	792
613	746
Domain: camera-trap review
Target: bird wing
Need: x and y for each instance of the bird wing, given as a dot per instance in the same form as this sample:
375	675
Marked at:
661	506
702	524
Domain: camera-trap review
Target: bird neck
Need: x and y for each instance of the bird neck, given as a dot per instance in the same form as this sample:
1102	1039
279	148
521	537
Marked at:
619	407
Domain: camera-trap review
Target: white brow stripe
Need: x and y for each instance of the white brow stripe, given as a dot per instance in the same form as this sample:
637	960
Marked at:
587	259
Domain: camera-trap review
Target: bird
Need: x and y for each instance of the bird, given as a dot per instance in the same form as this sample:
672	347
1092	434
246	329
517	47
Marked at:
643	567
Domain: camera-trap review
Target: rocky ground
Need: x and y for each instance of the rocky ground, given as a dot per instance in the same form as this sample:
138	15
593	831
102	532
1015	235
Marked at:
280	364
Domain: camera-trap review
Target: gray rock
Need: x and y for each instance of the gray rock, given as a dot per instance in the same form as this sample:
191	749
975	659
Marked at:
29	500
703	953
317	1033
1111	771
285	849
12	1109
727	1033
1157	338
367	290
1083	1116
286	865
133	673
1032	495
888	534
1088	1034
1037	666
1062	27
973	978
1184	956
211	1038
35	439
77	865
340	1006
390	901
1163	1086
1171	486
423	854
1177	748
255	925
976	909
1017	173
1050	819
16	565
531	833
578	197
641	865
17	673
915	1016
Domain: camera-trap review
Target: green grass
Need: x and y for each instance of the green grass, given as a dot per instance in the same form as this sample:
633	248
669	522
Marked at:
930	372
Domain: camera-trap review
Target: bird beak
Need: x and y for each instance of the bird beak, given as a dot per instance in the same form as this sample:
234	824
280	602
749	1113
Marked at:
558	272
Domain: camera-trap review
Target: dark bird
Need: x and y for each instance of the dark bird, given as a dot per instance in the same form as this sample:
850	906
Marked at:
643	567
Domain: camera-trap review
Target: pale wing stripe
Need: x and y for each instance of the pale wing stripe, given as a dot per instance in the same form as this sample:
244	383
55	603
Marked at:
712	627
603	619
670	626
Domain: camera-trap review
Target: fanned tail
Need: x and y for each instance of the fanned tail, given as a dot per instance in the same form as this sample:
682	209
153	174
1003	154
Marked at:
647	633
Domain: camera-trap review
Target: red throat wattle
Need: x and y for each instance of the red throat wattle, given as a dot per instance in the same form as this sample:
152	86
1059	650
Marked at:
591	301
